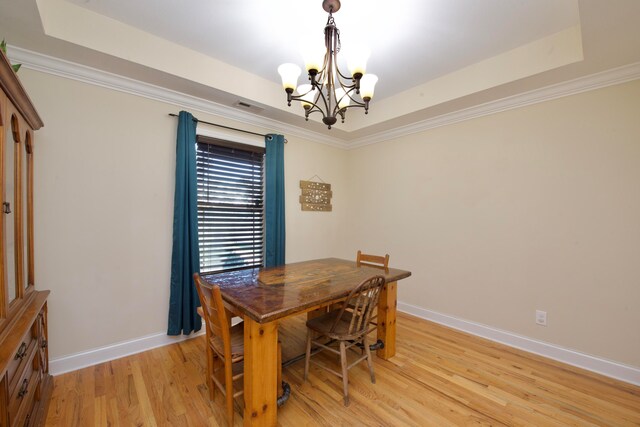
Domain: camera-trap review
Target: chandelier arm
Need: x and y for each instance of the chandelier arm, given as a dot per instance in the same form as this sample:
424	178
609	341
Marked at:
314	107
347	88
355	101
358	105
311	111
321	95
315	86
337	110
355	80
348	78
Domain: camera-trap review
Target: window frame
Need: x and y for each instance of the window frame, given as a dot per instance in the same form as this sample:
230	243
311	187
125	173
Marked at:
228	145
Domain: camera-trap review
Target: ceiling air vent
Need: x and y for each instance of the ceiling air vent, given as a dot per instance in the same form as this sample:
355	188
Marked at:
247	106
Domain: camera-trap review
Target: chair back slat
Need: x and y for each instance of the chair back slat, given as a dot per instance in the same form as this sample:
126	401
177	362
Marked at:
215	315
376	261
363	300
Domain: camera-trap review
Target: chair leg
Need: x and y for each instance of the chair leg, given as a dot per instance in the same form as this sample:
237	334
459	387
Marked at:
307	355
366	348
210	369
345	374
228	386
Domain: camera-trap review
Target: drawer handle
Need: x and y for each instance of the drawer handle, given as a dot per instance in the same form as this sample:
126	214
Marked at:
22	351
23	389
44	344
6	207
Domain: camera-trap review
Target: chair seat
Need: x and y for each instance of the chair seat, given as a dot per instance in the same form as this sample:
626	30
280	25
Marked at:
323	324
237	343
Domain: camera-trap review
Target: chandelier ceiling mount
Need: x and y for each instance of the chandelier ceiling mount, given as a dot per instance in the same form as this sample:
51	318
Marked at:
331	6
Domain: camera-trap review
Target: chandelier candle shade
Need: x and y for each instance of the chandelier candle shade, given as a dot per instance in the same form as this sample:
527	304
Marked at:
330	92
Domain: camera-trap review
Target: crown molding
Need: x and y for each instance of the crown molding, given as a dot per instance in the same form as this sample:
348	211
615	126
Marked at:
62	68
571	87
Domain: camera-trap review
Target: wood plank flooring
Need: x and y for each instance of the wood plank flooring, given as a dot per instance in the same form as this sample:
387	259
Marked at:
439	377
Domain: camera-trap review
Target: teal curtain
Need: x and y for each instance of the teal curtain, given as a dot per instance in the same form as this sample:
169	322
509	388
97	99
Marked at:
185	258
274	200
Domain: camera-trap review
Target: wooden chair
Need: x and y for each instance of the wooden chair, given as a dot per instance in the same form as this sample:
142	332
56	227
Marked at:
225	345
347	327
376	261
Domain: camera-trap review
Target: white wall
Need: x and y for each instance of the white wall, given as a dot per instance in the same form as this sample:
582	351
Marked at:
533	208
104	184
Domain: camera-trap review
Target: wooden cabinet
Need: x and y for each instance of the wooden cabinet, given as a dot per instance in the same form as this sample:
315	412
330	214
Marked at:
25	383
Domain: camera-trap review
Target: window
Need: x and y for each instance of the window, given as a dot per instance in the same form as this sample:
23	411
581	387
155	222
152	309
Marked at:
230	204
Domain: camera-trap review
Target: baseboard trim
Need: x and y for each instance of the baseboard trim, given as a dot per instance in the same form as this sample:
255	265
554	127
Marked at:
599	365
92	357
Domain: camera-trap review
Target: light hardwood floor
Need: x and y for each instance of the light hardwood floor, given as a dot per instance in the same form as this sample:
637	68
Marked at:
439	377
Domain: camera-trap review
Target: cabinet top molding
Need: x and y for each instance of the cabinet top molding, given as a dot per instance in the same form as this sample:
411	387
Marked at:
15	92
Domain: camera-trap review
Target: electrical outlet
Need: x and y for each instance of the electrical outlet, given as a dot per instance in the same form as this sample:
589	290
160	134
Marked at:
541	317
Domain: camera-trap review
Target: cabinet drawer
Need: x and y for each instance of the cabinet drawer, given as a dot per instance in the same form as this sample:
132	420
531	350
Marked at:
21	396
28	419
26	406
20	359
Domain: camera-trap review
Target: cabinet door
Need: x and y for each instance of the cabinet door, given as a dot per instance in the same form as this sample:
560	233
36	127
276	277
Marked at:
5	294
26	209
9	206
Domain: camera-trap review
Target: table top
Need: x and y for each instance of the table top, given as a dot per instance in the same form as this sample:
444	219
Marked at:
268	294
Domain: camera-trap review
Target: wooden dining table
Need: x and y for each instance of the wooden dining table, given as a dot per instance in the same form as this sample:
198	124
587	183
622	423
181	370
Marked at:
264	296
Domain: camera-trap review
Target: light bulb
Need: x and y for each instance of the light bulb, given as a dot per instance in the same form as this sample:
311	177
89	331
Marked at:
357	60
289	73
313	56
367	85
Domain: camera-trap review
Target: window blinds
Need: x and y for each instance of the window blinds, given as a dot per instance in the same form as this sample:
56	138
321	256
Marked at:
230	206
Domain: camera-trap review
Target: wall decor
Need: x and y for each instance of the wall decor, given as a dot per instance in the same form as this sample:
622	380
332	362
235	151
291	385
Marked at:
315	196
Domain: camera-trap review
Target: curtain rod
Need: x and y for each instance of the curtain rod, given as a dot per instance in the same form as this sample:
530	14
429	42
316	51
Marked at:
227	127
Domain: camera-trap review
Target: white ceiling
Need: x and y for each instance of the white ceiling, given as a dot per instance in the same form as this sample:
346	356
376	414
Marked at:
412	41
433	57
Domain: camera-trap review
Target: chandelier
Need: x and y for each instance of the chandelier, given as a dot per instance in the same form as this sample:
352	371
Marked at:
329	91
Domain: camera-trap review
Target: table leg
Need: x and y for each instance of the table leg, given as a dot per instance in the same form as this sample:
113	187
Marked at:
260	373
387	320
